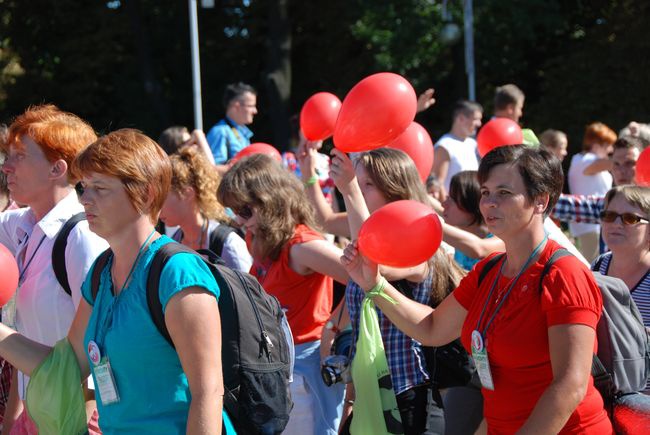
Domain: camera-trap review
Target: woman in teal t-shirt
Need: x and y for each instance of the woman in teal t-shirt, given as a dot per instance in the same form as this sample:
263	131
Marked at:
143	385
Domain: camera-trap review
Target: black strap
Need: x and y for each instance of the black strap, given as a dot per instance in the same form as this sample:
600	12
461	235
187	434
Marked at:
488	267
161	258
100	264
218	238
554	257
58	251
599	261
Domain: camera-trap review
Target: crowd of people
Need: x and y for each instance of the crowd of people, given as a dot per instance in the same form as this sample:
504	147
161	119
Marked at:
502	218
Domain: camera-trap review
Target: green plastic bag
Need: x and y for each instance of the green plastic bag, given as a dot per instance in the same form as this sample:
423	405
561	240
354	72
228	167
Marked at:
54	399
375	407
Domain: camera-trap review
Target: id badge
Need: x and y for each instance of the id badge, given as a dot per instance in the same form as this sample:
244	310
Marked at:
481	361
105	382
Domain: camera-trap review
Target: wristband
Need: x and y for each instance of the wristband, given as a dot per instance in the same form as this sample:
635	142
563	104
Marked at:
312	180
349	402
378	289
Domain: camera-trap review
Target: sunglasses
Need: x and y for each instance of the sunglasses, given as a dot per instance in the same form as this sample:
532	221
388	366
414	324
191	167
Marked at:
79	188
245	212
626	218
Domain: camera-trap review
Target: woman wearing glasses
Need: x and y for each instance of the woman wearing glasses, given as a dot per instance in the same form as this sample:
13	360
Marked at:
626	231
294	263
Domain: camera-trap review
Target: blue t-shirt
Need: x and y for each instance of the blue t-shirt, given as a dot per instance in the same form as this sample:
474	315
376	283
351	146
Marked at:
152	387
227	139
466	262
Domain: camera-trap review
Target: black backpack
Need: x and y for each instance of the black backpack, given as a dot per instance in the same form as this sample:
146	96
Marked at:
254	349
622	364
219	235
58	251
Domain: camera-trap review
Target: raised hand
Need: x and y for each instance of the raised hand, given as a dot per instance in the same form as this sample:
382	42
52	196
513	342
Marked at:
361	269
341	170
426	100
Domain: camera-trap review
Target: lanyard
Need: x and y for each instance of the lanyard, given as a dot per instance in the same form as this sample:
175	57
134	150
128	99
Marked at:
512	285
100	333
22	272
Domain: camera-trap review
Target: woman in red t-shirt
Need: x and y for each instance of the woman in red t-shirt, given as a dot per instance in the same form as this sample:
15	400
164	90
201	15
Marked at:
296	264
533	351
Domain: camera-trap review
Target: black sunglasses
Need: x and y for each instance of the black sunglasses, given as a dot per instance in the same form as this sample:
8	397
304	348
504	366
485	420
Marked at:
245	212
626	218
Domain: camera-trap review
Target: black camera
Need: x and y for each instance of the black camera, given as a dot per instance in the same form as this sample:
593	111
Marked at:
336	367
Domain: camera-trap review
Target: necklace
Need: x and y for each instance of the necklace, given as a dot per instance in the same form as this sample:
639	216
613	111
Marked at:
198	242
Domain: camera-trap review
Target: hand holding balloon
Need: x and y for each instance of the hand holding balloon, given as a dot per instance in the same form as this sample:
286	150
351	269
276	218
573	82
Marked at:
362	270
341	170
306	157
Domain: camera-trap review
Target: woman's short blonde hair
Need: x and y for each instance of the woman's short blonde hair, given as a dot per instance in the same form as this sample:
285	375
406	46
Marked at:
638	196
137	161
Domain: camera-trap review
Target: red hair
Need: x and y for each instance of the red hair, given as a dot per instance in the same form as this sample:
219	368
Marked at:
597	132
137	161
60	135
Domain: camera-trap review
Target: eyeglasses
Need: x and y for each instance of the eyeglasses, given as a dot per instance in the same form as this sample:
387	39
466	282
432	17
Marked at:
626	218
245	212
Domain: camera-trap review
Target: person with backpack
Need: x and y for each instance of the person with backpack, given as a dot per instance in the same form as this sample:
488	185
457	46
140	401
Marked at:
626	230
532	345
143	384
294	263
192	204
41	145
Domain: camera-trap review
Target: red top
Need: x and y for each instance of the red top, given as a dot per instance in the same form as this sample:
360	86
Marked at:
306	299
517	340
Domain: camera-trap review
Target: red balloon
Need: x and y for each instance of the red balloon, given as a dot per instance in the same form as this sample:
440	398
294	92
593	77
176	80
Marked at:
8	275
643	168
401	234
498	132
258	148
318	115
416	142
376	110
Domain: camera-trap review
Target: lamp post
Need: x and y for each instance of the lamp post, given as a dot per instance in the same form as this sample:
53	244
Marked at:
196	65
450	33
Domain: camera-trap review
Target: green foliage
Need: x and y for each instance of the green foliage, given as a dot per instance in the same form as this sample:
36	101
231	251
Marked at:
127	62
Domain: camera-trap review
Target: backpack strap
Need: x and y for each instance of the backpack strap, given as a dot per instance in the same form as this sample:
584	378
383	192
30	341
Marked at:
98	268
598	263
58	251
603	380
549	263
489	266
161	258
218	237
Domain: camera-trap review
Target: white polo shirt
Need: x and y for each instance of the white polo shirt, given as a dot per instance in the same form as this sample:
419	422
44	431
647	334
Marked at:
44	311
